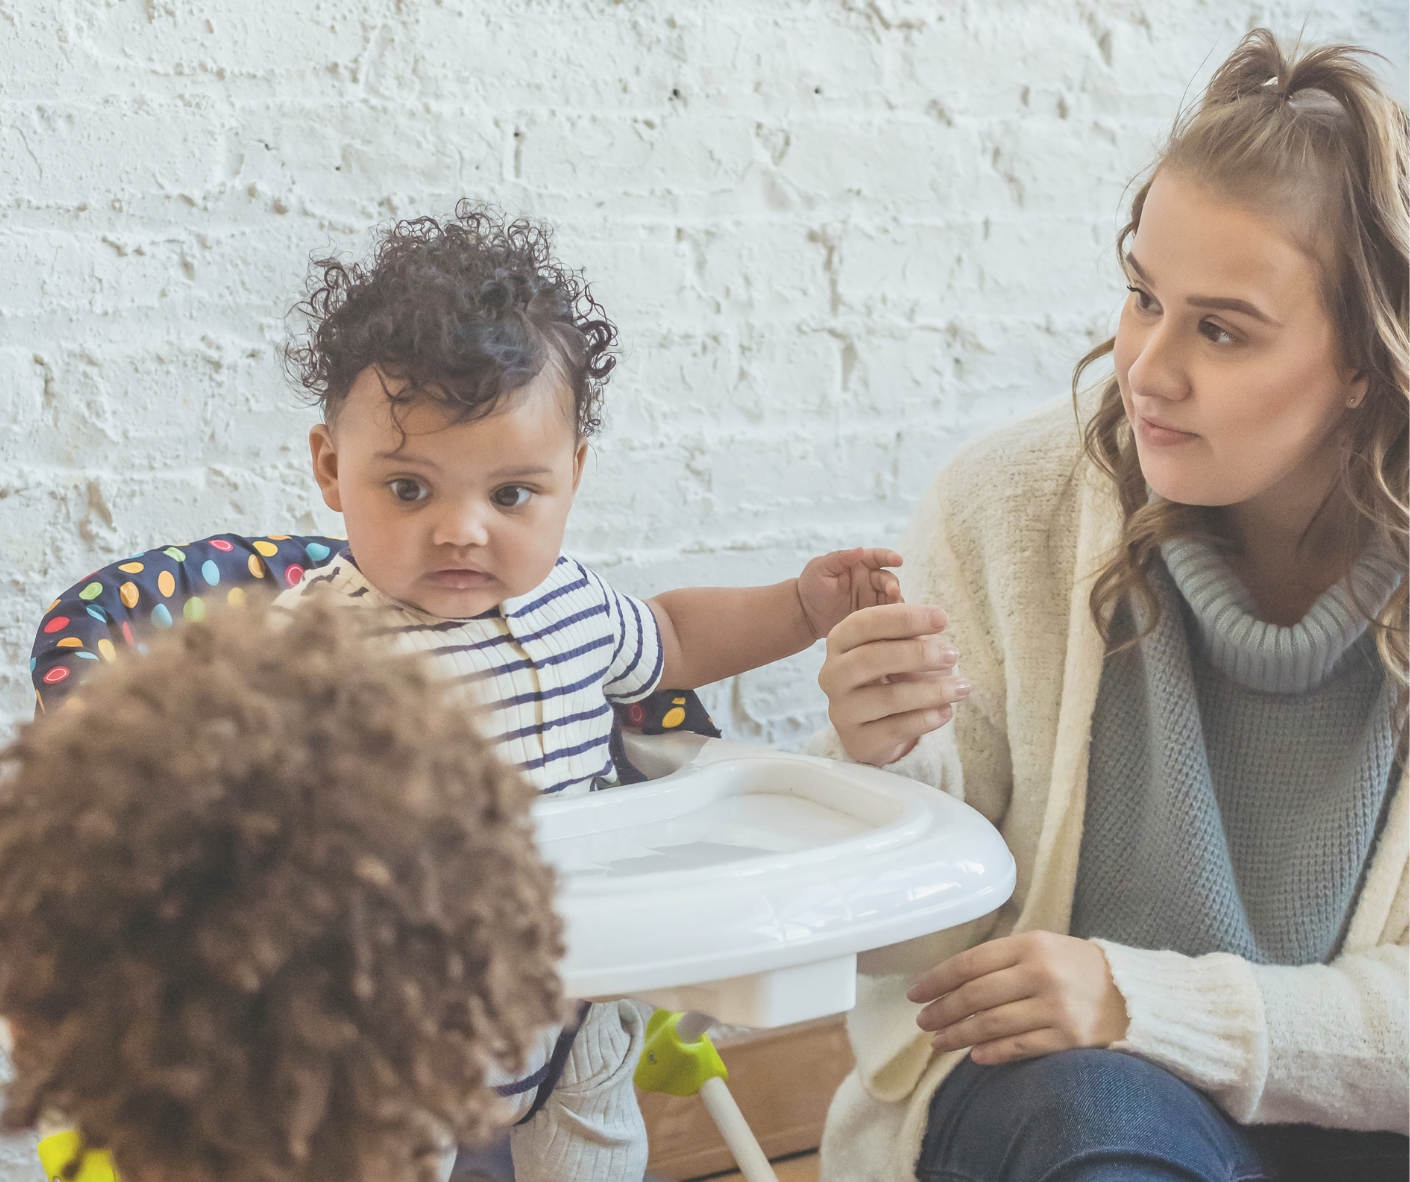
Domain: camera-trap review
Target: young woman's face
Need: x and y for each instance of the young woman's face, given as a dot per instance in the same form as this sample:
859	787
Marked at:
1226	357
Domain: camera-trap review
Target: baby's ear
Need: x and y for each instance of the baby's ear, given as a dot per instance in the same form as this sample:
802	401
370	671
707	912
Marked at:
325	465
579	459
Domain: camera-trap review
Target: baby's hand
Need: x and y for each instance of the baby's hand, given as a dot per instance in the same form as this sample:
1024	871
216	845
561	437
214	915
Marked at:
834	586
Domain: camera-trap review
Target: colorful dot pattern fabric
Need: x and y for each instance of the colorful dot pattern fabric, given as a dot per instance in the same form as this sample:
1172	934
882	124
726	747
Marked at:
115	606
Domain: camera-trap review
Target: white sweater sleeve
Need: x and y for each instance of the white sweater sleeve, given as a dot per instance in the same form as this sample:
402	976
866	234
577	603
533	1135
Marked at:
590	1130
1312	1044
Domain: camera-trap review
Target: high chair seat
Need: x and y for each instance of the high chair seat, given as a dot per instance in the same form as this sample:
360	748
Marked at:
113	606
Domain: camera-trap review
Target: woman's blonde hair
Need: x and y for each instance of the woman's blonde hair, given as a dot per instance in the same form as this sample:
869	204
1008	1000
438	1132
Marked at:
1314	135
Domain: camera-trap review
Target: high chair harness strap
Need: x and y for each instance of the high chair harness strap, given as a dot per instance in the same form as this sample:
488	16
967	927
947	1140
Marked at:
553	1069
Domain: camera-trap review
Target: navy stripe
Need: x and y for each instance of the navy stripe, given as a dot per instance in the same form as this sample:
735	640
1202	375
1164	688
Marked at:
446	649
586	614
558	691
544	760
621	621
649	685
640	637
555	659
606	770
549	723
438	626
556	593
520	1086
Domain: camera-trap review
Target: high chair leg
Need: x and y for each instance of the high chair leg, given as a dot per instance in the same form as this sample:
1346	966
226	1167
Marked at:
680	1060
736	1131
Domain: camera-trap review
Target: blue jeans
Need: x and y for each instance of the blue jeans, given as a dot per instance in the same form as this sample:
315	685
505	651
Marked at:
1103	1116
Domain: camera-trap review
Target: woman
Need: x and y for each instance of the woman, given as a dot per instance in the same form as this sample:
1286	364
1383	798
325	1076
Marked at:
1184	639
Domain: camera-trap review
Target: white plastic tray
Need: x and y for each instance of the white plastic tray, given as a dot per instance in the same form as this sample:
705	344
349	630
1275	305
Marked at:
744	882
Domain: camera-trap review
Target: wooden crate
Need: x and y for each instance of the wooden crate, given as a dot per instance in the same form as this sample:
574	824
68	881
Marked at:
783	1081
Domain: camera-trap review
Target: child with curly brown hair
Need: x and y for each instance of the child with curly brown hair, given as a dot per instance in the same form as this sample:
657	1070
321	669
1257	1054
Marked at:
270	911
460	374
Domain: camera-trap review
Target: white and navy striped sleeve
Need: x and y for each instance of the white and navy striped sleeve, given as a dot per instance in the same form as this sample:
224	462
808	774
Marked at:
635	668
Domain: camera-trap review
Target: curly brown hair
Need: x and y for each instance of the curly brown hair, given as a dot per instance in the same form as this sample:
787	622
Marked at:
464	311
1312	132
269	910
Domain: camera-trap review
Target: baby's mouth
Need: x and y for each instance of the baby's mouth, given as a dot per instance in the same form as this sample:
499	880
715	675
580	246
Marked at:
455	578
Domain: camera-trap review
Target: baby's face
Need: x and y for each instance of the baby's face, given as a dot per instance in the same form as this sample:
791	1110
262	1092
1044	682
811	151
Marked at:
457	517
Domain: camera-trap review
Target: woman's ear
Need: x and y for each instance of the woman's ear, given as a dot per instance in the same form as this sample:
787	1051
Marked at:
325	465
1356	390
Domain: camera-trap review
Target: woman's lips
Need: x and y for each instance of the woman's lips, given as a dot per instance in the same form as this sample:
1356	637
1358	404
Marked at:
1158	435
458	579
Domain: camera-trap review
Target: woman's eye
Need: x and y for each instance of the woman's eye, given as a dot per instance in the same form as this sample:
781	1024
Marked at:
407	490
1216	334
1143	297
511	496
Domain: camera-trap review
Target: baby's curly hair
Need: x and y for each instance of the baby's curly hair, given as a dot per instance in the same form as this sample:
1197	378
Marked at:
269	910
463	311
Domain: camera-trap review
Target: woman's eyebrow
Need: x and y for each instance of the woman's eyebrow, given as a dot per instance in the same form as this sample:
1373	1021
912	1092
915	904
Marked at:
1217	303
1227	304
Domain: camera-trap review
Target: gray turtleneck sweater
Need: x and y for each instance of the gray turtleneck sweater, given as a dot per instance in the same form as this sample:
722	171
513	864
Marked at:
1238	769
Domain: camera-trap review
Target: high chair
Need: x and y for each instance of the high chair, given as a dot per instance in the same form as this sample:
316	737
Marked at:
720	881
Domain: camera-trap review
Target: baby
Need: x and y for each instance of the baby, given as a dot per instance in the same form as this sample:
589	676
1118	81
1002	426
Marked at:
270	911
460	373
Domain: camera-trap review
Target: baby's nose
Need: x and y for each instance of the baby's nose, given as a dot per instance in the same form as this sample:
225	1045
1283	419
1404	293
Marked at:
463	525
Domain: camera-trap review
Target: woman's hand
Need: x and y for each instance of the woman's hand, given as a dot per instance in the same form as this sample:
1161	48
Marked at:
1022	996
890	677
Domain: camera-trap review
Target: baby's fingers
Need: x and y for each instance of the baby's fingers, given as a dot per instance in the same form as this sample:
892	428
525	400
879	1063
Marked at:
886	588
877	557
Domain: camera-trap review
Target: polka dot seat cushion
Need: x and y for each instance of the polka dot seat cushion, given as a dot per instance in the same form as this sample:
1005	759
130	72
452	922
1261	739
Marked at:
115	605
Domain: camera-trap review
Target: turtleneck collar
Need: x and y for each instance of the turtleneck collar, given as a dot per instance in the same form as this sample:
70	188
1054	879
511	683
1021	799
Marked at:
1270	657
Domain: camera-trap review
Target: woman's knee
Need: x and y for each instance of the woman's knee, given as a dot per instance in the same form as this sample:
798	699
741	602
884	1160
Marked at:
1040	1116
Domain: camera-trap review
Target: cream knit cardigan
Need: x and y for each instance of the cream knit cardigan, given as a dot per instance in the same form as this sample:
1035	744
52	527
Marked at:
1006	539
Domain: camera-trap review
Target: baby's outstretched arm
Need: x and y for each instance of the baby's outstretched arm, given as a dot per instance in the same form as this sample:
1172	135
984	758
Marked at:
712	632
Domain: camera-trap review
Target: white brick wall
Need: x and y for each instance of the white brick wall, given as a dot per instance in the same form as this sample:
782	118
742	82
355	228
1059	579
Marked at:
839	237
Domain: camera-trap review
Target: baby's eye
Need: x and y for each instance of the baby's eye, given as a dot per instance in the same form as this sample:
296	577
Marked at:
407	490
1143	298
511	496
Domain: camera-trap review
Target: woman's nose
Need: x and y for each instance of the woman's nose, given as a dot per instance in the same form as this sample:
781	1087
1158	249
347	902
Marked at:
462	525
1159	370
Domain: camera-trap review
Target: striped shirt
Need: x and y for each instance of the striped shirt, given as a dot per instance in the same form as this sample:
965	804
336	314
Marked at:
548	664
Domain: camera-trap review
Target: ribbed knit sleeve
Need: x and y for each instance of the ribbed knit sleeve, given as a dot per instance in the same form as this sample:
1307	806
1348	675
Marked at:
1200	1017
1312	1044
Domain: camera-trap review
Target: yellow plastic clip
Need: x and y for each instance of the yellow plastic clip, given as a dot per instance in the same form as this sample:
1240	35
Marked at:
57	1153
674	1067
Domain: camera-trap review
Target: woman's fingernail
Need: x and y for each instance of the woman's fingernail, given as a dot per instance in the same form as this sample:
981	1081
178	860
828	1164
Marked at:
962	686
949	655
938	619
